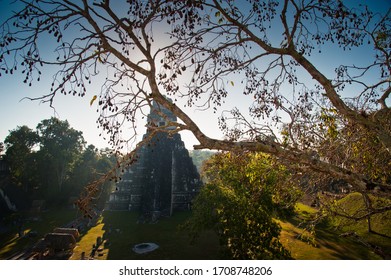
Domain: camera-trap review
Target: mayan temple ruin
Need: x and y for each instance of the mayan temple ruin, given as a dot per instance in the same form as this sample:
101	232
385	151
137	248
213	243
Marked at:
163	179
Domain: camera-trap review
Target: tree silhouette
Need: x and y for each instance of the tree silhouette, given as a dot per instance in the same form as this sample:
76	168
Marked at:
60	148
19	145
198	51
53	163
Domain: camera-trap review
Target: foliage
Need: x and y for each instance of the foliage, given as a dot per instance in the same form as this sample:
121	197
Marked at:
20	156
91	165
356	148
238	203
60	147
258	173
52	163
1	148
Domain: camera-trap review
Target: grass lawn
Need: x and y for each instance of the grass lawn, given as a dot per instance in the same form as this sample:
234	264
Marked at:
88	240
381	223
121	232
325	243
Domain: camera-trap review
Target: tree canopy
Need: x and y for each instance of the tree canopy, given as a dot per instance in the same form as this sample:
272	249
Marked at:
19	146
245	191
52	162
201	52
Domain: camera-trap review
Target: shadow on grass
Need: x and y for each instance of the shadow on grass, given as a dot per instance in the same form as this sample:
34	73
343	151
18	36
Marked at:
122	232
325	242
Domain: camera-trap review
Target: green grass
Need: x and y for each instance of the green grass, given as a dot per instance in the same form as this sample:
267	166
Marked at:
322	244
88	241
120	232
381	223
325	243
174	244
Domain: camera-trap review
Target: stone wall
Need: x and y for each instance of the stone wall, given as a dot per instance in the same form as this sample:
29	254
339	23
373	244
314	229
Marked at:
162	180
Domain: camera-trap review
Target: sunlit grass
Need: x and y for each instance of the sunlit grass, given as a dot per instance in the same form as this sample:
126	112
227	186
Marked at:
325	243
9	245
381	223
87	243
301	244
305	210
120	231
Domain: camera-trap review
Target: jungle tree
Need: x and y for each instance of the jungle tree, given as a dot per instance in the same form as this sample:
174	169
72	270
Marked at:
21	157
245	191
60	149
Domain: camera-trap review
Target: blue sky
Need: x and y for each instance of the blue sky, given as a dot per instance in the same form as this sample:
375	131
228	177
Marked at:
16	111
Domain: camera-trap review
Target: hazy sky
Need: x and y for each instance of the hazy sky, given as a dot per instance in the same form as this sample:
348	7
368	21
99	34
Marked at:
16	111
